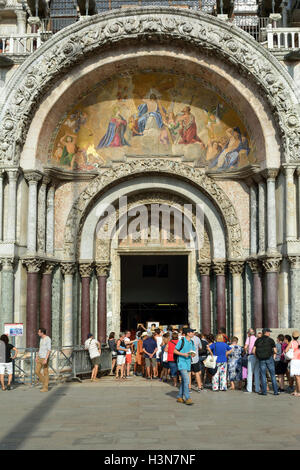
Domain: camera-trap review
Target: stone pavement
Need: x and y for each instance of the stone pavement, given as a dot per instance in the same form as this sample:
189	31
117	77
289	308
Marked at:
141	415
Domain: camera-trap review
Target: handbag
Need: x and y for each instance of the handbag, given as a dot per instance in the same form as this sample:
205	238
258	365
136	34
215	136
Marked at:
210	362
290	354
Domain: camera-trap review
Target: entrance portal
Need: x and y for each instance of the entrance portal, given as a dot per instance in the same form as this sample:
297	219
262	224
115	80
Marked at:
154	288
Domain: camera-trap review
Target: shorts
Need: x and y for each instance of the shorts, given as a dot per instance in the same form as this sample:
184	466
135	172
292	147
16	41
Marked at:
173	368
8	366
114	354
96	361
196	367
128	358
120	360
151	361
165	365
280	367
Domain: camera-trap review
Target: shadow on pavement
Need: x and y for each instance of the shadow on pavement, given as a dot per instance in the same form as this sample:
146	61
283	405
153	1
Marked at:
22	431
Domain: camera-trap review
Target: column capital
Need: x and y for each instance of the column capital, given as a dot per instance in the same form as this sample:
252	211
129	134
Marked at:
7	264
255	265
46	180
272	264
236	267
85	269
294	261
33	265
204	267
13	174
102	268
48	266
219	267
270	173
32	176
288	169
68	268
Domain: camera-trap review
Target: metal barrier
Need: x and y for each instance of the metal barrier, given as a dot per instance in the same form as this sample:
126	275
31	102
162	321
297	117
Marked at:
65	363
82	364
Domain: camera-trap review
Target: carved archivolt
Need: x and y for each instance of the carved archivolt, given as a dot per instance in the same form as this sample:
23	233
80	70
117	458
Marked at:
103	246
74	44
127	170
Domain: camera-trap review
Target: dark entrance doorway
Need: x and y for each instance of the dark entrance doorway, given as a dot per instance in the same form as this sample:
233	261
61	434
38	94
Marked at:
154	288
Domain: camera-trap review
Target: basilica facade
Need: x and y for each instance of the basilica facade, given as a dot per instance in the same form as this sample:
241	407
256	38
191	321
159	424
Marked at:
158	106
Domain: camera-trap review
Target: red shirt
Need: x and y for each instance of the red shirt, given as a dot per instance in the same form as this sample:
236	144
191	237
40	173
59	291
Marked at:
171	347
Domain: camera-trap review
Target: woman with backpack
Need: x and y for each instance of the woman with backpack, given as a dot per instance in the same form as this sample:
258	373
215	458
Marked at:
293	352
221	350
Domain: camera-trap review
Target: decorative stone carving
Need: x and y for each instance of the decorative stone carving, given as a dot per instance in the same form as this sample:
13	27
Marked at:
294	262
271	265
7	264
194	175
67	48
33	265
68	268
32	176
48	267
204	267
255	265
270	173
236	267
219	267
102	269
86	269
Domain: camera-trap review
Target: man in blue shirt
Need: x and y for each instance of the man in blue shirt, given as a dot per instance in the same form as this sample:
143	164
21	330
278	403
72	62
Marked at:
149	350
184	350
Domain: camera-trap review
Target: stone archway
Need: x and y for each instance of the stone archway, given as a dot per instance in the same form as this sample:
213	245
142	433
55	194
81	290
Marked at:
194	176
73	44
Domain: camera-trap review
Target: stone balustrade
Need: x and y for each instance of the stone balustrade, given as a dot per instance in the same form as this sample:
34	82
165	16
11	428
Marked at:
20	44
283	38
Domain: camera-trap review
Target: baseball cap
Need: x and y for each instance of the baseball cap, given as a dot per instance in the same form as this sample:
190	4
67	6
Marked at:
266	330
188	330
90	335
144	334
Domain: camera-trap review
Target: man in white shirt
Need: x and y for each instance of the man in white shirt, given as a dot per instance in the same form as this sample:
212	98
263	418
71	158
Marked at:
94	348
195	366
42	359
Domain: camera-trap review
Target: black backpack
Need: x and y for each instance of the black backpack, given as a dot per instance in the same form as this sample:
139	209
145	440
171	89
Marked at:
263	347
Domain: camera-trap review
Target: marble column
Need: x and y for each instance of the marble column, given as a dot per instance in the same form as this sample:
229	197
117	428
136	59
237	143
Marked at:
33	177
50	221
270	175
271	266
236	268
68	270
219	269
7	292
257	290
12	205
253	217
204	270
33	266
261	214
46	297
1	203
295	290
21	21
34	22
290	203
41	233
85	270
298	198
102	270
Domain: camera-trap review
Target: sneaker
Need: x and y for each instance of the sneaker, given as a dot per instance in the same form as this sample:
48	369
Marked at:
9	387
199	390
189	402
180	400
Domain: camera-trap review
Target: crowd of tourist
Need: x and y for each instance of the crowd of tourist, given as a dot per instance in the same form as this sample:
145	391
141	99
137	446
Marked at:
196	362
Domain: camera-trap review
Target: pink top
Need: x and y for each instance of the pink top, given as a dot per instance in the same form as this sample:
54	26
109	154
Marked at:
295	346
250	342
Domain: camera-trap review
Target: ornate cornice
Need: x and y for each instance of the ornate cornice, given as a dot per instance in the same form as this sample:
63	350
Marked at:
156	24
194	176
102	269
